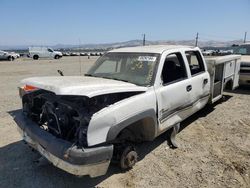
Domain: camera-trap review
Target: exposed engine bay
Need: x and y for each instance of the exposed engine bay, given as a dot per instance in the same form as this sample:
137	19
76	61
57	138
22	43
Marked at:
66	117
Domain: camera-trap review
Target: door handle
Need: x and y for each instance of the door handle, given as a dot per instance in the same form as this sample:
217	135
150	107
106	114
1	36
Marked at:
189	88
205	81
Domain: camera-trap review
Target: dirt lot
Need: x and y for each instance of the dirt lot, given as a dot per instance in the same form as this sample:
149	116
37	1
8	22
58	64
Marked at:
214	143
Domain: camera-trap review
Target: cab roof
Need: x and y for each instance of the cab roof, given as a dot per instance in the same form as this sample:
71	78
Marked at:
152	48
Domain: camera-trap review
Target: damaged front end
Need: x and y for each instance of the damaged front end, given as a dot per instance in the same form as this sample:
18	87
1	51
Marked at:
57	125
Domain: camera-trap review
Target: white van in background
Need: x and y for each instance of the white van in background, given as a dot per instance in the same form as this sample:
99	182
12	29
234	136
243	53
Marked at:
43	52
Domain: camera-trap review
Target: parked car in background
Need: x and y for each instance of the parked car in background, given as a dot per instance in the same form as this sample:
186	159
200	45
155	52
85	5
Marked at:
7	56
73	54
66	54
208	52
43	52
225	52
16	55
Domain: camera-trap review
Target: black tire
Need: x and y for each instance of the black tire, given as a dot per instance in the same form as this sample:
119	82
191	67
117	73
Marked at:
128	158
56	56
11	58
35	57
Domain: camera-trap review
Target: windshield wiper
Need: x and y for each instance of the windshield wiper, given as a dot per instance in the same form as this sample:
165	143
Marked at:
119	79
90	75
114	79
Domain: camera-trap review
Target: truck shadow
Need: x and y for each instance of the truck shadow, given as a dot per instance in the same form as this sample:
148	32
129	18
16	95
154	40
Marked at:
20	169
18	166
241	90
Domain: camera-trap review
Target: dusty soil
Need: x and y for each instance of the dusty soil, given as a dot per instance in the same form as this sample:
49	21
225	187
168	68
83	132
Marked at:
214	144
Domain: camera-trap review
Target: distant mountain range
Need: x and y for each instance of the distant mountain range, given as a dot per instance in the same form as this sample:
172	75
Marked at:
211	43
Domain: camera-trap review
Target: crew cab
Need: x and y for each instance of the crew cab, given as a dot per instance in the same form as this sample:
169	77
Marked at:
130	95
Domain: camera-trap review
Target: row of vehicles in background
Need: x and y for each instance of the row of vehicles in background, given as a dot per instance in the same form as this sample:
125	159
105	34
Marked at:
45	52
242	49
216	52
83	53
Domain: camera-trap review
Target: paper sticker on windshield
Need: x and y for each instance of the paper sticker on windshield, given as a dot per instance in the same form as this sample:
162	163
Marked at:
146	58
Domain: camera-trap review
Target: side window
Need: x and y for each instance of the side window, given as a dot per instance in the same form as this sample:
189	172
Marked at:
173	69
50	50
195	62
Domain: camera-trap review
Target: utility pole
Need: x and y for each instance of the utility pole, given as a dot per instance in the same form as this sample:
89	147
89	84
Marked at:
143	40
245	37
196	39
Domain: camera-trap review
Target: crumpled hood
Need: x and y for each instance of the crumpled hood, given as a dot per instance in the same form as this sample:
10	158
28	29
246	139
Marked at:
81	85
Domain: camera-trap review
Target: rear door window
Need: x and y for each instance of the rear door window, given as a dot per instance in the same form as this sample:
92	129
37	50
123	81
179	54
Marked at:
195	62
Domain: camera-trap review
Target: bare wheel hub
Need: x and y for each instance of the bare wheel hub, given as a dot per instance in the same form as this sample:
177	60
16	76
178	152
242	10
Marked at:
128	158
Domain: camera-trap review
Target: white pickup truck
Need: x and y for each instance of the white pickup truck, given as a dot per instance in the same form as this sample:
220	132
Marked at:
80	123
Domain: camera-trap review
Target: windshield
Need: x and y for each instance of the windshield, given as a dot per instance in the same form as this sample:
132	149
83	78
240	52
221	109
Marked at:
136	68
50	50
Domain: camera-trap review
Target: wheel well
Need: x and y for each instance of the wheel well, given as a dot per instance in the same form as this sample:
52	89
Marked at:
11	57
141	130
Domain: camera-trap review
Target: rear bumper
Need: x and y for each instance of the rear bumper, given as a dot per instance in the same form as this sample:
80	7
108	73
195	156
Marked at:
78	161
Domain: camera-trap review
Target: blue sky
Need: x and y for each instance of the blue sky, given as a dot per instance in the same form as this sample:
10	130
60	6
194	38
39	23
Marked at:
49	22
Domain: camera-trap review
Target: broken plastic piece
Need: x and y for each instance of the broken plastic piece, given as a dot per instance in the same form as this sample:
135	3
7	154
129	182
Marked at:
176	128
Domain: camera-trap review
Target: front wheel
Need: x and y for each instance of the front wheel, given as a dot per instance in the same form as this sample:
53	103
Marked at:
56	56
128	158
10	58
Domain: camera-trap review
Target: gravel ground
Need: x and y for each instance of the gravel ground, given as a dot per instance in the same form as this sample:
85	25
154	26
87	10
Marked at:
214	143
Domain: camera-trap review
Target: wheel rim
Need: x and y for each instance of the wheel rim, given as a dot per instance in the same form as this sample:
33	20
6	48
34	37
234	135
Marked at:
128	158
131	159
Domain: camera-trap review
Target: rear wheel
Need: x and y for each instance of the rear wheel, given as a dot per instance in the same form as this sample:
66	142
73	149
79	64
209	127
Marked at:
35	57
